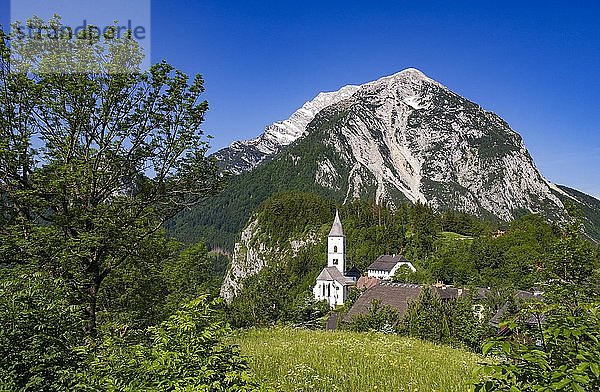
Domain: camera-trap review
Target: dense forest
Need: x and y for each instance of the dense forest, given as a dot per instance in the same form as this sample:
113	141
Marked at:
449	247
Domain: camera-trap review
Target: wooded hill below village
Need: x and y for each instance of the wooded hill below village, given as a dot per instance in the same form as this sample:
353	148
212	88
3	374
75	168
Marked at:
449	247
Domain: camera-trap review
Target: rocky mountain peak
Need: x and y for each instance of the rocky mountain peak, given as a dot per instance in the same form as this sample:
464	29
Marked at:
242	156
407	137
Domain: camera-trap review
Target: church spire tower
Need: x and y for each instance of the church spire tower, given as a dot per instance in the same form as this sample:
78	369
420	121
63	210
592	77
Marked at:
336	245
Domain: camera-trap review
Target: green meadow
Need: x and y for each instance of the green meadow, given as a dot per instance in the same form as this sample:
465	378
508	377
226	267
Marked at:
288	359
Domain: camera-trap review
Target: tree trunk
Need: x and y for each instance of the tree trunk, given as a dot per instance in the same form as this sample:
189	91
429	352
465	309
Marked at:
92	300
92	289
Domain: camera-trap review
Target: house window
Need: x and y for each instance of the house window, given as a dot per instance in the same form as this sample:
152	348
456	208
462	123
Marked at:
335	249
335	261
323	285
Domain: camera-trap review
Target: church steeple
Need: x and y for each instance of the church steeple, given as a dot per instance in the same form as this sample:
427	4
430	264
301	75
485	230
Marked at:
336	245
336	228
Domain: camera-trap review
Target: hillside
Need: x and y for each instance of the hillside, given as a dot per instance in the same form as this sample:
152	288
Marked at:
589	206
401	138
302	360
282	250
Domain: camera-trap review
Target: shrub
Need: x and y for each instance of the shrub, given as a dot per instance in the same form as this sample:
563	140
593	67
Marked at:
184	353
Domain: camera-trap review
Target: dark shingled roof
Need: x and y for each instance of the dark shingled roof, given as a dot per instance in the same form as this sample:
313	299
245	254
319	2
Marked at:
332	273
397	295
387	262
448	292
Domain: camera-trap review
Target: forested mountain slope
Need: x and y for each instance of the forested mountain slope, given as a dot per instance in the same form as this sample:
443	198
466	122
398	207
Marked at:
401	138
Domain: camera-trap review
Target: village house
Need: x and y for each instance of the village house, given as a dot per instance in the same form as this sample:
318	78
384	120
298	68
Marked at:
386	266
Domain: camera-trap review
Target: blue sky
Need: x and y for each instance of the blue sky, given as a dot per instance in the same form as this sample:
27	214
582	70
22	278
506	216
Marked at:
536	64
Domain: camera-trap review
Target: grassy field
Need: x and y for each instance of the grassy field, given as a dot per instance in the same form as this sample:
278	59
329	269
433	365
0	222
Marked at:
299	360
449	235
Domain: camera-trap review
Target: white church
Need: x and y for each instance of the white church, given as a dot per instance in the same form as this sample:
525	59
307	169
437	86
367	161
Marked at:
334	281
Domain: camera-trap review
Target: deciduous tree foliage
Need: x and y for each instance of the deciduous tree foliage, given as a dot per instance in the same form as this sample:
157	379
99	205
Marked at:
183	353
39	329
560	350
92	163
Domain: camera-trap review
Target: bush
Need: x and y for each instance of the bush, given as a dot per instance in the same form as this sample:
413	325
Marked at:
184	353
560	349
38	331
381	318
562	355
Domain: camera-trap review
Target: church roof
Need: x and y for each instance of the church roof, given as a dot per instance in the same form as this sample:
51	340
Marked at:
336	228
387	262
332	273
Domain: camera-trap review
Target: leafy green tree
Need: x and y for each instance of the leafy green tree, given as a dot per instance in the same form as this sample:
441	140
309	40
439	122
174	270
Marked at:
383	318
188	275
39	330
93	163
555	345
422	231
488	258
451	262
427	317
184	353
451	321
467	328
136	294
405	275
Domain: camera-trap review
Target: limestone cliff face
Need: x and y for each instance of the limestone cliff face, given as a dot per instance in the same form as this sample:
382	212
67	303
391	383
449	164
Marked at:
407	134
248	259
252	253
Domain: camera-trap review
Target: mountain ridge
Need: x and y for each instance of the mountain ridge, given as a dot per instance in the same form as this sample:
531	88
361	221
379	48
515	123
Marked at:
403	137
400	128
244	155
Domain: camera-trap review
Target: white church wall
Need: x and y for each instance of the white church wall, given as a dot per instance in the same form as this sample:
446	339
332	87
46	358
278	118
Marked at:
335	293
336	253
